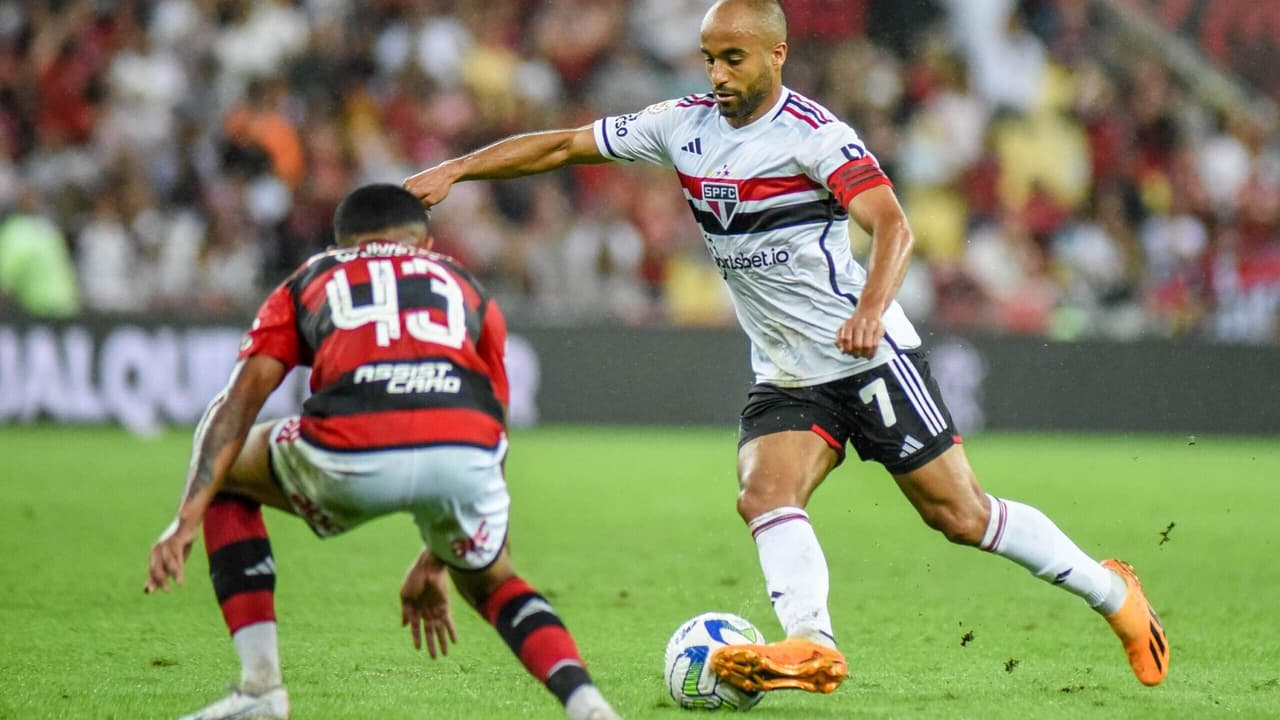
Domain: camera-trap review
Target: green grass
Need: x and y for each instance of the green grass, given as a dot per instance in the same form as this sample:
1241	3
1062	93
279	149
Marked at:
630	532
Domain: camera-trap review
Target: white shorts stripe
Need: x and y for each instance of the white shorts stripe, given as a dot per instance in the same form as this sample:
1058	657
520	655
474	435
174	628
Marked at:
913	397
917	397
913	376
913	373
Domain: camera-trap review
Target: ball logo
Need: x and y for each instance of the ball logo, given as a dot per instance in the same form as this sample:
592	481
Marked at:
716	628
722	199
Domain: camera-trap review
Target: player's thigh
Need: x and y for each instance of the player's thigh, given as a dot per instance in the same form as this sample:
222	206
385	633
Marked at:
789	439
783	468
947	495
461	505
251	474
947	479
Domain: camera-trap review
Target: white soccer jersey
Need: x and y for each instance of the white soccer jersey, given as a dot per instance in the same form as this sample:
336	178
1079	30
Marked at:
762	195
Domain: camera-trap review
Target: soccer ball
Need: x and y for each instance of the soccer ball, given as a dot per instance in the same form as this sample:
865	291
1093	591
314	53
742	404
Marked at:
689	677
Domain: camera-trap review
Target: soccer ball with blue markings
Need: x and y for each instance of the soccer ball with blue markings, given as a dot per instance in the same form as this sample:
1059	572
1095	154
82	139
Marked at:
689	677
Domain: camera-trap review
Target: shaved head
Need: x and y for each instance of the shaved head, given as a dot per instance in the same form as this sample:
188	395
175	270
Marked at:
763	18
744	43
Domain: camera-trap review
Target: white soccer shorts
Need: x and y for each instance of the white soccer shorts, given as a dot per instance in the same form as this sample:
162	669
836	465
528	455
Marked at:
456	493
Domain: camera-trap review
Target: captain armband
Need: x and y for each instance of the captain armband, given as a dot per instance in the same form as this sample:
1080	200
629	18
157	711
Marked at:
854	177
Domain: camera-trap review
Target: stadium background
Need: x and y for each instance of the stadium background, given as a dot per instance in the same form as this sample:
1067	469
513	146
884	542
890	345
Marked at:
1074	171
1095	187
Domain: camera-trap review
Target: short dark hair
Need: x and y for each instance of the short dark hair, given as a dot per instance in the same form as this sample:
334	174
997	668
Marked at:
372	208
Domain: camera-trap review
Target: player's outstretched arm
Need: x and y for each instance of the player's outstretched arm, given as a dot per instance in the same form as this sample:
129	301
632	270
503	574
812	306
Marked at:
218	440
424	604
513	157
878	212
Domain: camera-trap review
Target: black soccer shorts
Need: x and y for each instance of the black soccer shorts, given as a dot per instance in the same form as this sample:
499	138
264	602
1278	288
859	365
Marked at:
892	414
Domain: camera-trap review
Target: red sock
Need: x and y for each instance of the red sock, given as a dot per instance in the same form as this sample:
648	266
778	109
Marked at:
533	631
240	562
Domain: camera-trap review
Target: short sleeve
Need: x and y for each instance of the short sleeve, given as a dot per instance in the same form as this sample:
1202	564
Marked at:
492	349
275	330
641	135
836	157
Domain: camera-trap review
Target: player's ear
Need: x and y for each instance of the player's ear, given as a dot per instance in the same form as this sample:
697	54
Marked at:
779	55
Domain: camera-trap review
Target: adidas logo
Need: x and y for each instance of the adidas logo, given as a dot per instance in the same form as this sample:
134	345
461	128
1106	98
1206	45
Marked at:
909	446
694	146
266	567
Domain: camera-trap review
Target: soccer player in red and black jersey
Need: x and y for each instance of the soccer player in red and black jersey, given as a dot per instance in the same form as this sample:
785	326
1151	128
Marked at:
407	414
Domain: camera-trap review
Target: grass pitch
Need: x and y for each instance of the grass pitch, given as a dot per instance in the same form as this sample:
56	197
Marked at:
632	531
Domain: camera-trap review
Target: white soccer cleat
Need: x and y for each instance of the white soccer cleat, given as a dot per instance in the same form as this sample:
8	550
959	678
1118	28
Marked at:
586	703
271	704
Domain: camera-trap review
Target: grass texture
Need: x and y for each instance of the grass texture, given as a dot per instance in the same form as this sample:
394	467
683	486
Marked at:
630	531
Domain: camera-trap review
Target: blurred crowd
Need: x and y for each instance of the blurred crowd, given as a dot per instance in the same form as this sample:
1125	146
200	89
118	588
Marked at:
184	155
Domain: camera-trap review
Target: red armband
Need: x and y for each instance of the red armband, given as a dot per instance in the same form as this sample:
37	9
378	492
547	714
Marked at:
855	177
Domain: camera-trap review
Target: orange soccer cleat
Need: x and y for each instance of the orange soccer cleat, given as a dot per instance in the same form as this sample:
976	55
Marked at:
793	663
1139	628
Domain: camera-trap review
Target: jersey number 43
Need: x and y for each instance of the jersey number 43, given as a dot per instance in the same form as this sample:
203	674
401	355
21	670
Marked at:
384	309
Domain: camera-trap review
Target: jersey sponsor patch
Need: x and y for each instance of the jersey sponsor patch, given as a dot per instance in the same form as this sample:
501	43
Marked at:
620	123
403	378
761	259
722	199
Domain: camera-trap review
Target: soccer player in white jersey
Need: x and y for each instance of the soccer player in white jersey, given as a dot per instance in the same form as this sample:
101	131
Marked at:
773	179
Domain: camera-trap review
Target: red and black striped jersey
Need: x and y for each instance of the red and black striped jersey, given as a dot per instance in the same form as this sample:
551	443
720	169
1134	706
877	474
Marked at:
405	348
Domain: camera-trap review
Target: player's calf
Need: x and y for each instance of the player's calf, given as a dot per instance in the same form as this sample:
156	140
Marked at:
243	572
537	636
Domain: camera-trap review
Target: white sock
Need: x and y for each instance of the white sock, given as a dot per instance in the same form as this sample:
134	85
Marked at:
795	573
1024	535
259	653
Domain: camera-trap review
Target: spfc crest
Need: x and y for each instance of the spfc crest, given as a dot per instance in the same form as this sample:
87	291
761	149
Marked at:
722	198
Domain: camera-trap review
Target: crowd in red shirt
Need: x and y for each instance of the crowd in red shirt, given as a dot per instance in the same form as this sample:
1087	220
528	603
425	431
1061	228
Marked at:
1060	180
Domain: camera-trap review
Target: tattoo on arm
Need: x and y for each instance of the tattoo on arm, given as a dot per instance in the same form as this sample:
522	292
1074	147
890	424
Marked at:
212	437
223	429
224	424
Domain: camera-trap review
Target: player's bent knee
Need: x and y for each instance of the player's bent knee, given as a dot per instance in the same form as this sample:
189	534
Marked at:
754	503
475	586
957	526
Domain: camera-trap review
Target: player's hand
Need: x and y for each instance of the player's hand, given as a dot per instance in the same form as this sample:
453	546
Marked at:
860	335
424	605
168	556
431	186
